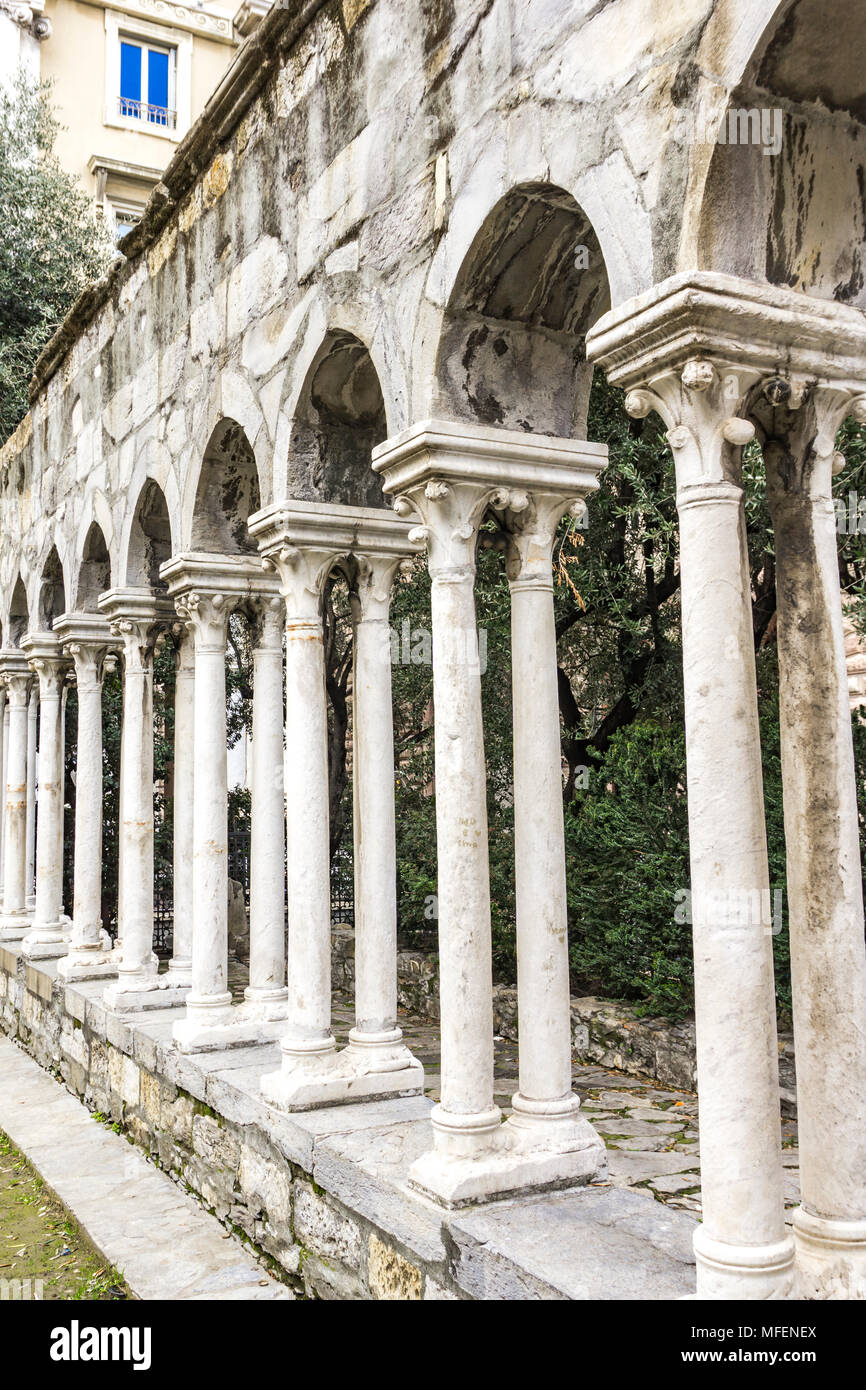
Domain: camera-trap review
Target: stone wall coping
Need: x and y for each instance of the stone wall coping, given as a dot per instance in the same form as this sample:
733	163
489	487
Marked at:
257	59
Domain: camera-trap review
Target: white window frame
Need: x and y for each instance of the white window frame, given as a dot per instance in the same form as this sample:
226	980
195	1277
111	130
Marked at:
122	208
119	27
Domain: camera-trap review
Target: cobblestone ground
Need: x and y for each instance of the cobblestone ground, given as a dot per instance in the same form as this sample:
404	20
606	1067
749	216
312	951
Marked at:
651	1134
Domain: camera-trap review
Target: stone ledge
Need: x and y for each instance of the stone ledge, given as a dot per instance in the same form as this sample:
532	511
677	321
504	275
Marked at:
605	1032
322	1195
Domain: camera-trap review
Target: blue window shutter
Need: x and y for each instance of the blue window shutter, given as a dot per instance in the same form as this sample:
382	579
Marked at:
130	72
157	79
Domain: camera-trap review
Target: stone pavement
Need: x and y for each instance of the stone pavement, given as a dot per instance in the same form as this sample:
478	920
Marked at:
163	1242
651	1134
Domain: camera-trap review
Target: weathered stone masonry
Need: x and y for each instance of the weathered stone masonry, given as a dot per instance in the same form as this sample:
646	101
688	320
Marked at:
359	318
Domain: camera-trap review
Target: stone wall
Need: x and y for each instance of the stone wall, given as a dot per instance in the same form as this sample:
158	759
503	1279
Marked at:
605	1032
256	1175
322	1196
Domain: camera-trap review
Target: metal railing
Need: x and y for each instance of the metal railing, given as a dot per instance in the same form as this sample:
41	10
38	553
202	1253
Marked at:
342	889
143	111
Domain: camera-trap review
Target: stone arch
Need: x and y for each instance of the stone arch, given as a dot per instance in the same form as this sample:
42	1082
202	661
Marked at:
51	596
19	614
793	218
94	571
338	420
512	348
226	494
150	538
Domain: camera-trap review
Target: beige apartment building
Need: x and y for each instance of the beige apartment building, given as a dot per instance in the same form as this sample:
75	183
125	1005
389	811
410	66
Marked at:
128	80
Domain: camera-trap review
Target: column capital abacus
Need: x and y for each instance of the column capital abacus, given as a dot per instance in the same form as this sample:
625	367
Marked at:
303	541
46	659
87	640
454	474
704	350
16	677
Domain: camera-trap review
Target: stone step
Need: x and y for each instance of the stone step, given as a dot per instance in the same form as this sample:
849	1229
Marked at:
160	1239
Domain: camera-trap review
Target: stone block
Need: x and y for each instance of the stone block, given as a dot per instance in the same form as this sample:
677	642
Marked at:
323	1229
389	1274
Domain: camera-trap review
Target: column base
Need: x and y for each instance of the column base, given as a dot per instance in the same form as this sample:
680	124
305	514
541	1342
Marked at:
315	1074
269	1004
143	989
216	1025
180	971
830	1257
476	1158
89	962
755	1272
47	942
14	925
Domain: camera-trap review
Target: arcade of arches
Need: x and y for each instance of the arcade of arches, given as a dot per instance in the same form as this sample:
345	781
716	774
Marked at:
358	321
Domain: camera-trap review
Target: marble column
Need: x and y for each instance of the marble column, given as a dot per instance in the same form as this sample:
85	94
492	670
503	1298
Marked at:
822	837
209	1001
49	934
4	741
136	618
742	1248
90	954
307	1037
180	966
14	922
32	742
545	1098
266	993
451	476
304	541
375	1037
206	589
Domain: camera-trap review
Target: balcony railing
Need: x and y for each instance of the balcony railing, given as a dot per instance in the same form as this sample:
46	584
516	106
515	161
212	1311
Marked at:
143	111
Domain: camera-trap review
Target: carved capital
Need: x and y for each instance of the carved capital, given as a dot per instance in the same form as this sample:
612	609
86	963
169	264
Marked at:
302	572
207	616
269	623
702	405
451	513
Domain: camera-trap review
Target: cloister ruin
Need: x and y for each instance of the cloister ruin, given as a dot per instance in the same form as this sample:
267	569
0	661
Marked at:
361	316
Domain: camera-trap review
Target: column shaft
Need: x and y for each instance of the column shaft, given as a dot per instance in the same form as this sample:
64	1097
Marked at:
268	827
825	895
32	743
539	852
138	966
737	1055
210	819
374	823
308	847
184	781
15	860
465	958
49	862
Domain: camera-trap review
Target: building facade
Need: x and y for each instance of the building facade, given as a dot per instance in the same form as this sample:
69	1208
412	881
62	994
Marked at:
128	80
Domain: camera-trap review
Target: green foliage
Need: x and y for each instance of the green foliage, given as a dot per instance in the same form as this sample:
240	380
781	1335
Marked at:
51	246
627	861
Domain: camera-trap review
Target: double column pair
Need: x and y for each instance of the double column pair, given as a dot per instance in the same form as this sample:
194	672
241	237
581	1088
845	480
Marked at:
206	590
704	354
305	543
17	793
455	477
